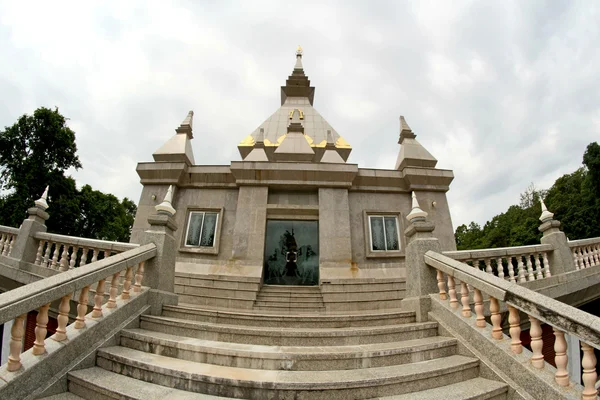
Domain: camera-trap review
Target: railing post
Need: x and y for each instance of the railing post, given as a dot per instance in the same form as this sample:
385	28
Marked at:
160	271
421	280
561	259
25	247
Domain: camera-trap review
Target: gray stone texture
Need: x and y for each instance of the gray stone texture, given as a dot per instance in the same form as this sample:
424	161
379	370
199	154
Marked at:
25	246
334	228
250	225
561	259
160	270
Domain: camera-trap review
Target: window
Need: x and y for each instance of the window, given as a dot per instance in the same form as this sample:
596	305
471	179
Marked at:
384	233
202	228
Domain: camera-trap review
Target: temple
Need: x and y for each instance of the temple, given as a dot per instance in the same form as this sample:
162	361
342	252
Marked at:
295	274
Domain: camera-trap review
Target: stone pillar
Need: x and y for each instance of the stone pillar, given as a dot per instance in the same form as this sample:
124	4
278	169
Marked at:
561	259
421	279
26	246
250	225
334	228
159	272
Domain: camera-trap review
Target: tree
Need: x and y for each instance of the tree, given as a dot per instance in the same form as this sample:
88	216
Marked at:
37	151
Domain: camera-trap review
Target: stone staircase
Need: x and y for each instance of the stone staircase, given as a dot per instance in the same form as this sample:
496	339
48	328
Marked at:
192	352
289	299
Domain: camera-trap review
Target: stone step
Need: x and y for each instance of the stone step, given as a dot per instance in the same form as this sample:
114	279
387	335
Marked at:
290	358
289	336
285	299
260	384
99	384
288	304
290	311
64	396
225	302
290	289
256	318
284	295
374	295
363	287
217	281
364	305
473	389
216	292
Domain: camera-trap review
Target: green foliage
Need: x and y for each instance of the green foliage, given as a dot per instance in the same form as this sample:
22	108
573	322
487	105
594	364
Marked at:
35	152
574	199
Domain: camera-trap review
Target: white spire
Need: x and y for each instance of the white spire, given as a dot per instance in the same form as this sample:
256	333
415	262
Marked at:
298	58
416	214
546	215
41	202
166	207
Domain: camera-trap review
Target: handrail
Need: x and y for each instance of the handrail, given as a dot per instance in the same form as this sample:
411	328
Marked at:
9	229
16	304
584	242
85	242
562	317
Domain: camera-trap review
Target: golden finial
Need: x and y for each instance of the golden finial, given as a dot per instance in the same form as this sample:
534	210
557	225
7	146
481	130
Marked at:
299	50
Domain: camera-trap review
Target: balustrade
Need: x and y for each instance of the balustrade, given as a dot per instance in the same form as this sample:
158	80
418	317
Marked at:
586	252
111	271
8	236
515	264
66	252
538	308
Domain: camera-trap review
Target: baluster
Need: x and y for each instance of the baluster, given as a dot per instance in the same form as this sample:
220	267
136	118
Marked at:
521	267
38	255
107	253
496	318
478	298
41	329
97	311
16	343
63	318
537	359
464	291
452	292
530	276
589	376
55	256
139	275
5	245
12	243
500	268
547	273
560	348
129	275
47	254
514	321
539	271
440	282
114	288
488	266
84	256
82	308
575	259
64	254
73	257
2	237
590	251
511	269
594	248
95	255
582	257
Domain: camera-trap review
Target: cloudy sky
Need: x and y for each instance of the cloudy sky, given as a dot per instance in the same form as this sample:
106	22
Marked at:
504	93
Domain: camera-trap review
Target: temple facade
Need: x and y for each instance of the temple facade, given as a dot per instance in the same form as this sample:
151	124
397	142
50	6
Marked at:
294	211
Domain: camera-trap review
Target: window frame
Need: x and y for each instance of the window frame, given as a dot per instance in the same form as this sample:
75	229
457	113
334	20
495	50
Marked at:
369	252
214	249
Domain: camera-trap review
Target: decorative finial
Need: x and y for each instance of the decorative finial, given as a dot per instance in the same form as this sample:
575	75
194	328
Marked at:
166	207
186	125
416	214
546	215
330	137
404	125
299	51
41	202
298	66
260	138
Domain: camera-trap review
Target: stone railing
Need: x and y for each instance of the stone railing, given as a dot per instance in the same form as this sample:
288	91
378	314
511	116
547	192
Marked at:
515	264
17	303
538	308
586	252
65	252
8	235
